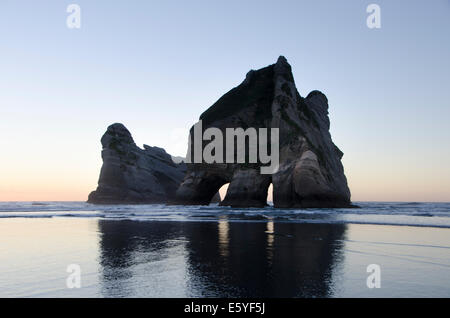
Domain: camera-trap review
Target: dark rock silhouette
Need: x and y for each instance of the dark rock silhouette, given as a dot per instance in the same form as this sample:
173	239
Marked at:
131	175
310	172
216	198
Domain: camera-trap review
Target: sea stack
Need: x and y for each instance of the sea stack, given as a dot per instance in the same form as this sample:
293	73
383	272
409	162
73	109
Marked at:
131	175
310	172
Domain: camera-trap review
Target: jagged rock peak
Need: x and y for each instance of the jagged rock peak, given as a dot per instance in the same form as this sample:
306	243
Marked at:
131	175
117	132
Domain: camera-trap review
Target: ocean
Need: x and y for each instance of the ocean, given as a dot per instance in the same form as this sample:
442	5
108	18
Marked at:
387	213
212	251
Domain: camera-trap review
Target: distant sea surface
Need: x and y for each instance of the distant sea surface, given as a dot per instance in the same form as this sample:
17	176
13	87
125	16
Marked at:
386	213
212	251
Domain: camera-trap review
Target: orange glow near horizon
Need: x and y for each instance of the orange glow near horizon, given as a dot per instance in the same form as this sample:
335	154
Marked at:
62	179
77	188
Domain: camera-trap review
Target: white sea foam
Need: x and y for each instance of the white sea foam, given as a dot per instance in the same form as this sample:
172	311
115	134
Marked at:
395	213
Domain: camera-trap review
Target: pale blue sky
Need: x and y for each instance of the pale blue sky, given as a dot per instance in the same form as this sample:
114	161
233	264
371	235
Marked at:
156	66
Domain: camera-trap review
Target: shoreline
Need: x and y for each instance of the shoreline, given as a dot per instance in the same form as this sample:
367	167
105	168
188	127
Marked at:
384	213
229	220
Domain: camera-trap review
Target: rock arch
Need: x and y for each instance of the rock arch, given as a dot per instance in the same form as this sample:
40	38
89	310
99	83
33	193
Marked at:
200	189
248	188
310	172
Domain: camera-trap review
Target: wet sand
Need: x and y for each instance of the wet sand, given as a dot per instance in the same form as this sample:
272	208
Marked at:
124	258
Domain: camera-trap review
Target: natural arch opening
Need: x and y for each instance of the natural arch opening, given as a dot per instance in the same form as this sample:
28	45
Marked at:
270	194
248	189
223	191
220	194
210	186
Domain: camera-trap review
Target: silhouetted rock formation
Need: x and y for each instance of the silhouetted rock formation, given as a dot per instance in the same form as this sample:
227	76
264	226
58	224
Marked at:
131	175
216	198
310	173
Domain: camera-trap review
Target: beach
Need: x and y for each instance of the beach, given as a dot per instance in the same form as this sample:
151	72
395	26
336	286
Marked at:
221	257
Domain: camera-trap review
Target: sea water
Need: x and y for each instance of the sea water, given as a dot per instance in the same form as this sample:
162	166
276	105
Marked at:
212	251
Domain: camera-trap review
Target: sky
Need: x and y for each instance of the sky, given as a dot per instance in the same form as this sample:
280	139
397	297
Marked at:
155	66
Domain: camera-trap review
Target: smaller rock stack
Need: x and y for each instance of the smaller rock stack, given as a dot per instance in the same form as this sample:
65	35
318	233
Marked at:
131	175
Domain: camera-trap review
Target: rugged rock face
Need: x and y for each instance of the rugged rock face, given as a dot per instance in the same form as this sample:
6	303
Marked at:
131	175
216	198
310	171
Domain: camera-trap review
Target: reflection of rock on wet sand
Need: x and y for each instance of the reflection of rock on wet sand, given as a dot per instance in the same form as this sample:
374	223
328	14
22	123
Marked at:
221	259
